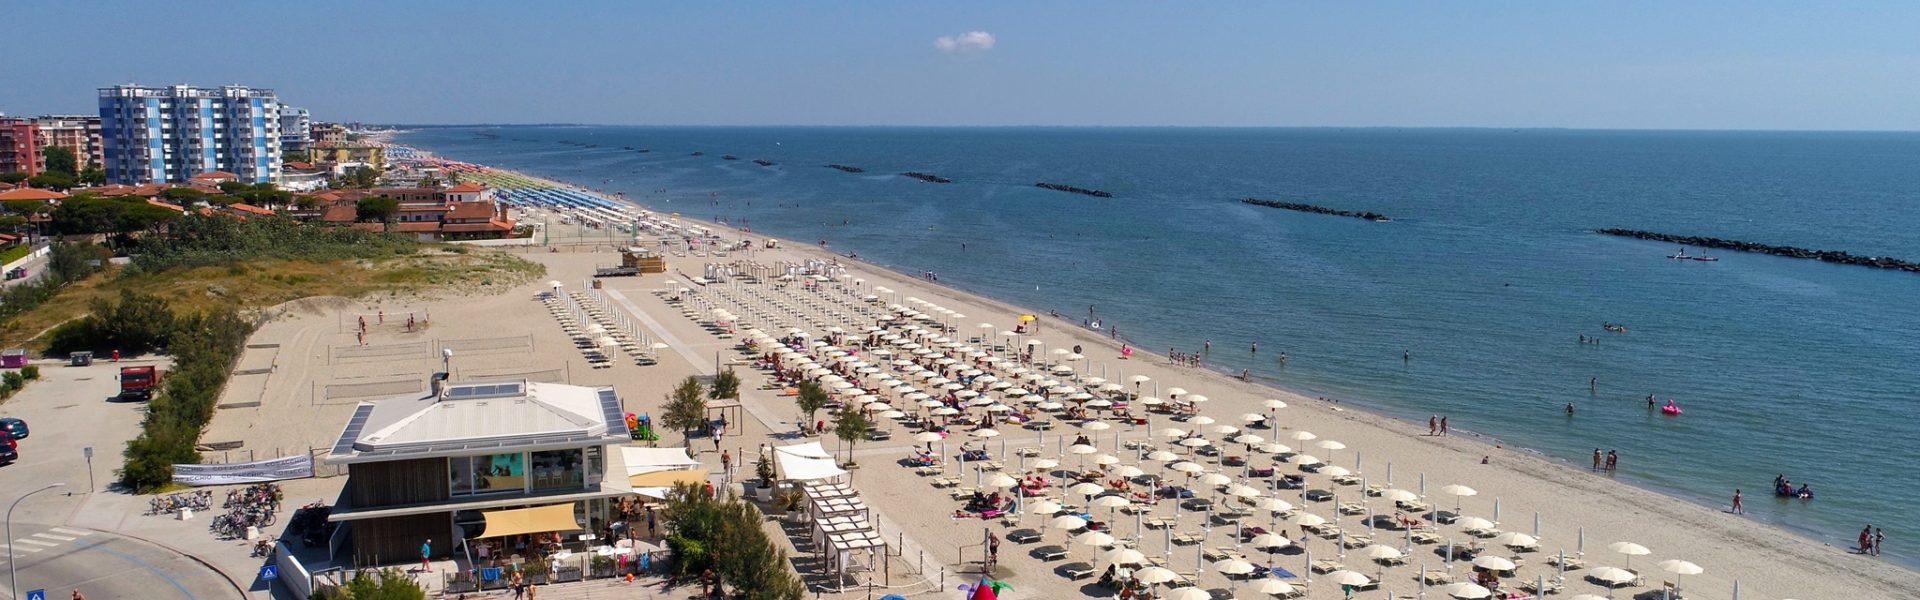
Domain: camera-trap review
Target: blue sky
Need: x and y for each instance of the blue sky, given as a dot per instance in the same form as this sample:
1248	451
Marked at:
1692	65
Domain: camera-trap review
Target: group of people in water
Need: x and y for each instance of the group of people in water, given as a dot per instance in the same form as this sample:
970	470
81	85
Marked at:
1606	462
1784	488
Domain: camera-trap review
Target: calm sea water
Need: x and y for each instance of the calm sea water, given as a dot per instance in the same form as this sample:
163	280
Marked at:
1488	273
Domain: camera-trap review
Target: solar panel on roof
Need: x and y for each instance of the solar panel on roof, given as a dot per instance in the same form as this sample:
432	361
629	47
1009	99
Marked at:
611	410
354	424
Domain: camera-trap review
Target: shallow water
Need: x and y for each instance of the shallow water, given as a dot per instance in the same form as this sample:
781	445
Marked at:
1487	274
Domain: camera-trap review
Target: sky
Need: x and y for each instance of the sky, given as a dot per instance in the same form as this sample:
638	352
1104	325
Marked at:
1628	64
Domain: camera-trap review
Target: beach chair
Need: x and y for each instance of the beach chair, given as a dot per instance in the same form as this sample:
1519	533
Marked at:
1552	587
1077	571
1220	594
1426	537
1188	538
1353	508
1325	565
1573	563
1348	479
1318	496
1218	553
1050	553
1436	577
960	493
927	471
1357	541
1023	536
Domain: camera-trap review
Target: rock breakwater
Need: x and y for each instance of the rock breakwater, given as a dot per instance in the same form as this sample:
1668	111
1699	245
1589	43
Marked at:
1832	256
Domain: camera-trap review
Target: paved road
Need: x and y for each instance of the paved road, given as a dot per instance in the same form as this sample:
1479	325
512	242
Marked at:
34	268
103	565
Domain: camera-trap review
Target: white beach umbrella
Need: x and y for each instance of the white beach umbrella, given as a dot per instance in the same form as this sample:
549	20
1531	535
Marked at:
1196	398
1270	540
1680	567
1000	481
1162	456
1200	420
1233	566
1226	430
1345	577
1243	491
1306	459
1493	563
1336	472
1381	552
1195	442
1399	495
1612	576
1274	404
1308	520
1097	539
1173	432
1154	575
1187	467
1124	556
1139	379
1128	471
1067	523
1630	549
1516	539
1151	401
1465	590
1110	502
1275	448
1301	436
1106	459
1272	587
1176	391
1081	449
1252	417
927	436
1330	445
1474	523
1274	505
985	433
1459	492
1248	439
1097	426
1044	463
1187	593
1087	489
1215	479
1046	507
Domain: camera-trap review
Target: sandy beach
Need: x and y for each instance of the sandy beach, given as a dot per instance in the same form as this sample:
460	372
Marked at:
317	372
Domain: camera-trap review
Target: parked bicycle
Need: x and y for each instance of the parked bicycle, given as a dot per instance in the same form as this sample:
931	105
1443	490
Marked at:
196	500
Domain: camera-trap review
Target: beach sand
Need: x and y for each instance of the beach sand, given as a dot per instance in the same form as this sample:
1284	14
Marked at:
301	411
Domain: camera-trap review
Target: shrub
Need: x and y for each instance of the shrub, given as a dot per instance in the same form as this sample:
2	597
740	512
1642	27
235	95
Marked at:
205	347
31	372
12	381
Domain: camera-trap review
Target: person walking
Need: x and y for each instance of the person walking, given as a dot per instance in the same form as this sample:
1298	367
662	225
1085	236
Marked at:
1443	425
726	462
1736	503
1866	539
1879	537
426	556
1433	428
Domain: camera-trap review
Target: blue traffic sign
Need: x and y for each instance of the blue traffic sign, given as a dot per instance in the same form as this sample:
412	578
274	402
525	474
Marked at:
36	595
267	573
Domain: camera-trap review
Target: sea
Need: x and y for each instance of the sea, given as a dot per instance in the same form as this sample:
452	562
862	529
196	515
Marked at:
1470	303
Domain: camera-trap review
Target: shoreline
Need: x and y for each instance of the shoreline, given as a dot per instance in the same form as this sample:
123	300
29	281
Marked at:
1526	462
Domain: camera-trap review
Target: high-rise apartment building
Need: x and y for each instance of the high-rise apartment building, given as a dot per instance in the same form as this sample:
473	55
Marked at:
170	134
19	146
79	134
295	129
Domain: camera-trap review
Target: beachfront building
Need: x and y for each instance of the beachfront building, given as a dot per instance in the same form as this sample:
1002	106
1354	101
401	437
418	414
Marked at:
20	146
505	461
295	129
326	134
299	176
79	134
335	155
170	134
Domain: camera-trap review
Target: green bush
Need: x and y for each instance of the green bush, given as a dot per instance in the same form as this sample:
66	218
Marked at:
31	372
205	348
133	324
392	584
12	381
199	241
725	534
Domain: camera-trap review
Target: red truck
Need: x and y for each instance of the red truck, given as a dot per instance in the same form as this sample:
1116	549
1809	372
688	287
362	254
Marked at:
139	383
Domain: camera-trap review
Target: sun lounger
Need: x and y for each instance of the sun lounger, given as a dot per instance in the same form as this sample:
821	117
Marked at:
1220	594
1553	587
1188	538
1159	523
1436	577
1318	495
1573	564
1427	537
946	482
1050	553
960	493
1326	566
1077	570
1220	553
1023	536
1348	479
1353	508
1357	541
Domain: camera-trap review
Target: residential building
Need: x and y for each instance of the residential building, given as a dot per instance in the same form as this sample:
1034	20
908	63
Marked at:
170	134
79	134
20	146
330	134
472	461
298	176
347	153
295	130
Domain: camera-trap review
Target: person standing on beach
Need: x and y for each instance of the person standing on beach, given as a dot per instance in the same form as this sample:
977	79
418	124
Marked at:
1736	503
1613	460
1443	425
1596	459
1879	537
1866	539
1433	428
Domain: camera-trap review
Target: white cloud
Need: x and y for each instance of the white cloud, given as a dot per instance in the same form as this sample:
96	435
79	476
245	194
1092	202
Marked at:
969	42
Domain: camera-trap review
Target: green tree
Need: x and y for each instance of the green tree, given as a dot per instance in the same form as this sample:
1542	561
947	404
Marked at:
60	160
12	177
183	196
726	386
86	213
53	181
811	398
294	156
234	187
850	426
429	182
93	176
686	408
725	534
361	177
377	208
391	584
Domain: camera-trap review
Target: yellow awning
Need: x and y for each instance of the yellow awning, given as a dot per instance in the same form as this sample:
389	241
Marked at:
539	519
668	478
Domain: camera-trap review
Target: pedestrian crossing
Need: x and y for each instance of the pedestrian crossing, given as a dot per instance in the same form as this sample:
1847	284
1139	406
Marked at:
46	540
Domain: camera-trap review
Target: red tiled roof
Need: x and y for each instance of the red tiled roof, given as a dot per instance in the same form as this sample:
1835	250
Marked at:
340	213
490	225
165	205
294	164
466	188
416	227
249	208
464	211
30	194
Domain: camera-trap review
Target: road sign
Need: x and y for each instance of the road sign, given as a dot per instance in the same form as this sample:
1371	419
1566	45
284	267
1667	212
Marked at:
87	452
36	595
269	573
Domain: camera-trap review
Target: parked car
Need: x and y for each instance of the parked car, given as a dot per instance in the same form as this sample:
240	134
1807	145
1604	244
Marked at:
14	428
8	455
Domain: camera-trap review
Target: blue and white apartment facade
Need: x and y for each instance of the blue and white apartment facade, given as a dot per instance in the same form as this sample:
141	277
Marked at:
170	134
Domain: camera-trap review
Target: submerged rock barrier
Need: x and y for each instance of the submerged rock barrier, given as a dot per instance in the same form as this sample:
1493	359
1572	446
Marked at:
1318	210
847	168
1077	190
1832	256
927	177
729	157
763	162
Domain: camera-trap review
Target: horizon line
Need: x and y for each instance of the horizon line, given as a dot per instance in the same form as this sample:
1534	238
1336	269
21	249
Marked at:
1041	126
